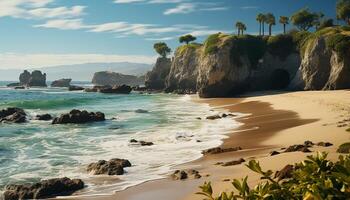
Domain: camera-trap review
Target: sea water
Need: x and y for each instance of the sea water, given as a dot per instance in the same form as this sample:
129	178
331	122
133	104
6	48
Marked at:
38	150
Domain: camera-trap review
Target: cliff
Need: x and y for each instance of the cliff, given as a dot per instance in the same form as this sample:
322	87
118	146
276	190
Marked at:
113	78
34	79
64	82
155	79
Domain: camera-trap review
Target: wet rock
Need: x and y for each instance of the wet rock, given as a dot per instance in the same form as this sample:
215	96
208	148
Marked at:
324	144
64	82
44	117
79	117
142	143
273	153
234	162
286	172
14	115
44	189
298	147
122	89
19	88
198	118
133	141
14	85
308	143
214	117
185	174
75	88
218	150
141	111
112	167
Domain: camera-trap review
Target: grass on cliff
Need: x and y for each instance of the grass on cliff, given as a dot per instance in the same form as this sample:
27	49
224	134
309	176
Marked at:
281	45
313	179
192	46
214	42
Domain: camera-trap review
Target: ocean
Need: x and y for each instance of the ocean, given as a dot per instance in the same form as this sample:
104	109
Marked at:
38	150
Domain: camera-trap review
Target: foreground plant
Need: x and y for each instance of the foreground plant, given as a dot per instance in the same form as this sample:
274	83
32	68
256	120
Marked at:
313	179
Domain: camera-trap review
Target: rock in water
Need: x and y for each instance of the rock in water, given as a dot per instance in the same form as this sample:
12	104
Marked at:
79	117
44	189
15	115
44	117
75	88
155	79
65	82
34	79
112	167
113	78
14	85
123	89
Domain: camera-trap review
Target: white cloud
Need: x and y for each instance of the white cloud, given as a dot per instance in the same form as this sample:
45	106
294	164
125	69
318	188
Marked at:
185	8
148	1
64	24
160	39
58	12
15	60
249	7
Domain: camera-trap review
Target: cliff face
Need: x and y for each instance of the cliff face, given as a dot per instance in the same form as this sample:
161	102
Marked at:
322	68
112	78
184	71
34	79
155	79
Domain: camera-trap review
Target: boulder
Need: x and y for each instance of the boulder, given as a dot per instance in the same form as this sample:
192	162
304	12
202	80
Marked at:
34	79
141	143
79	117
218	150
75	88
214	117
273	153
112	167
20	88
14	115
113	78
44	189
122	89
324	144
44	117
185	174
65	82
286	172
298	147
155	79
234	162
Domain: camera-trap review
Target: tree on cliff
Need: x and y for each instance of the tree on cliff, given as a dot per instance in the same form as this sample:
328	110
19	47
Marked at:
343	10
187	38
241	27
284	21
304	19
162	49
271	21
261	19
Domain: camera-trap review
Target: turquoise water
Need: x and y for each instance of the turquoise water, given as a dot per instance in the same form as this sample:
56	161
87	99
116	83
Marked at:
38	150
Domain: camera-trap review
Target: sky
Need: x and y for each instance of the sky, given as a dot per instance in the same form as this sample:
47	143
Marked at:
41	33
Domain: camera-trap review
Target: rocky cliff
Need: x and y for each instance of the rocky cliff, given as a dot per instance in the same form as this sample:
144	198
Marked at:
64	82
34	79
155	79
113	78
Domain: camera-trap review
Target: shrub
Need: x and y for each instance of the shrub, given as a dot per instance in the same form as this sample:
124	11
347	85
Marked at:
301	39
211	44
339	43
182	49
281	46
316	178
344	148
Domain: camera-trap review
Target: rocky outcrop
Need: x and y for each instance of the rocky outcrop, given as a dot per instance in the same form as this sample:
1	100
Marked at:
44	117
65	82
322	68
112	167
14	115
79	117
113	78
75	88
44	189
184	71
122	89
155	79
34	79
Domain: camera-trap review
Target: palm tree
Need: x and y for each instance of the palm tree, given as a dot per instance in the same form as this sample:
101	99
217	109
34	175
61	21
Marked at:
239	26
263	20
243	28
284	20
260	19
271	21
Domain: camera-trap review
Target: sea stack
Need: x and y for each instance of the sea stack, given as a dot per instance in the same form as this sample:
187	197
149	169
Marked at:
34	79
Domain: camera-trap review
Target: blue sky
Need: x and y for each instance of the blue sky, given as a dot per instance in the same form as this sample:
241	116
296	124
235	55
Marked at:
37	33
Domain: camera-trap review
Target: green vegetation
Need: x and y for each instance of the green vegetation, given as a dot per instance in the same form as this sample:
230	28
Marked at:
314	179
281	46
162	49
241	27
261	19
344	148
339	43
284	21
182	49
211	44
304	19
271	21
187	39
343	10
326	23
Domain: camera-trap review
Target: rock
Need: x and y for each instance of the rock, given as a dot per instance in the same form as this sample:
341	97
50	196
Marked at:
44	189
75	88
139	88
235	162
61	83
123	89
113	78
155	79
286	172
142	143
182	174
273	153
218	150
13	85
133	141
308	143
79	117
324	144
141	111
96	88
34	79
112	167
198	118
44	117
214	117
298	147
14	115
19	88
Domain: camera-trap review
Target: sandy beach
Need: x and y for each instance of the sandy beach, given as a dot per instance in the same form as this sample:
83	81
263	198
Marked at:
275	121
